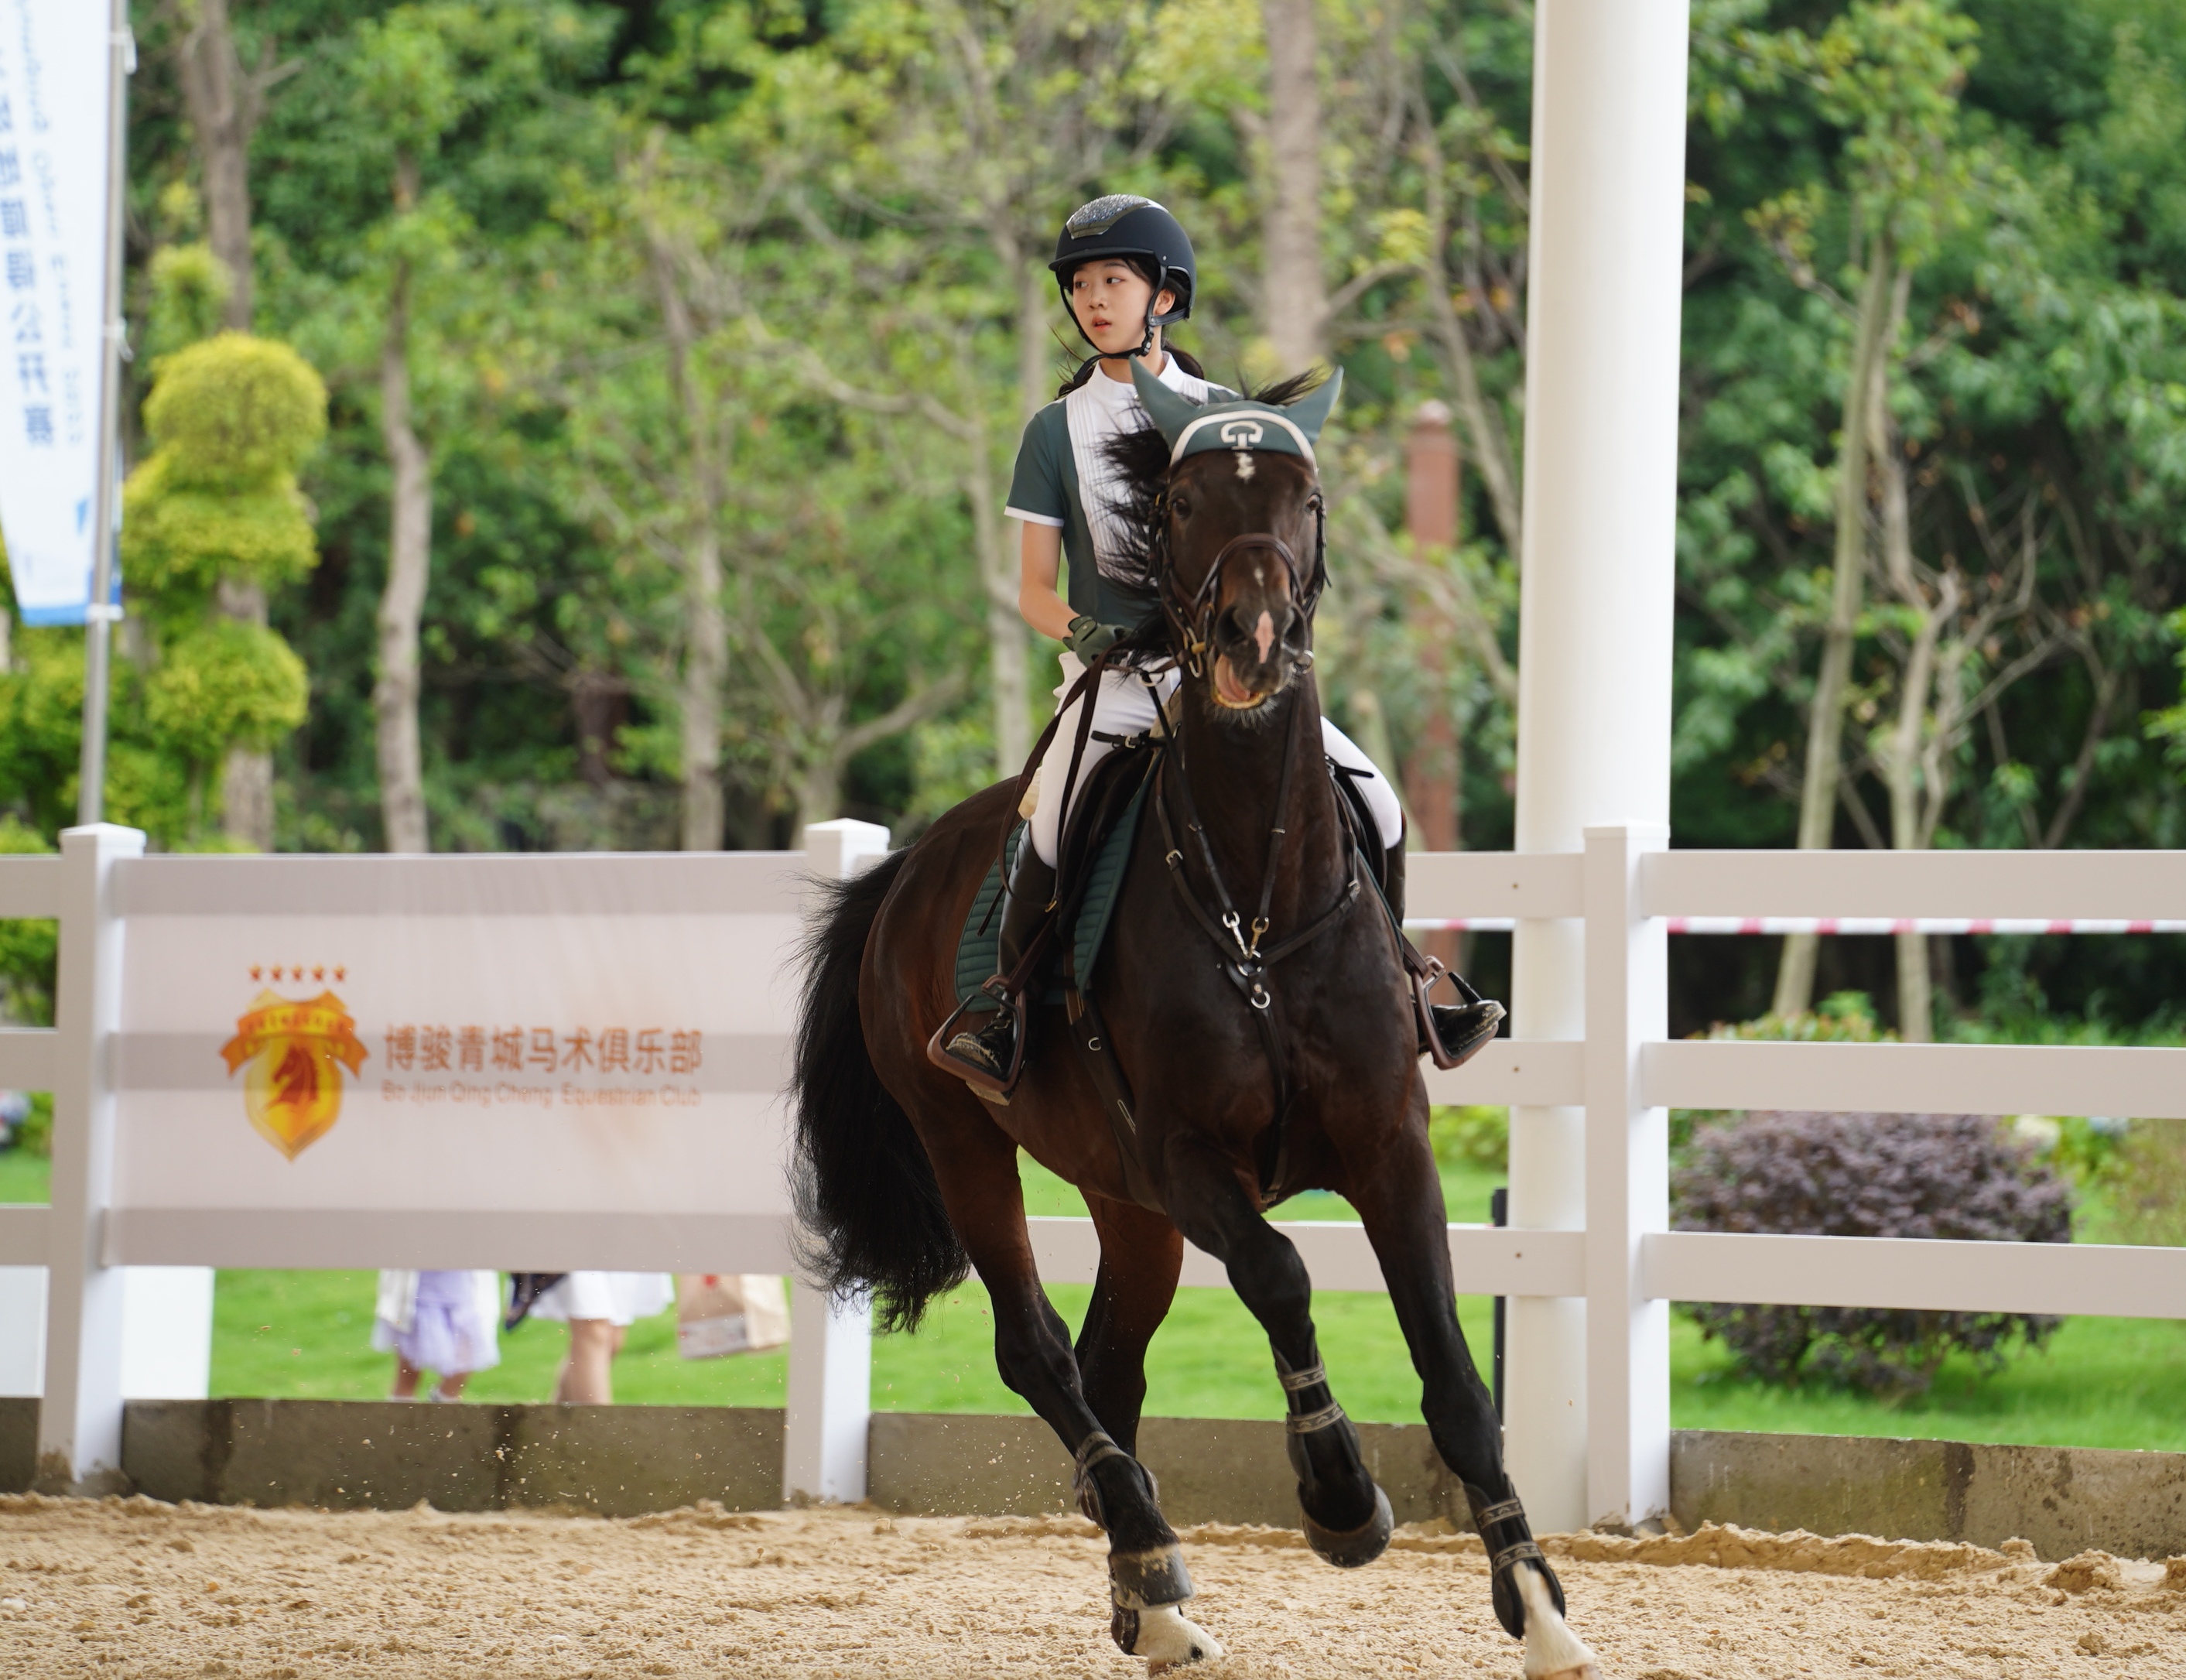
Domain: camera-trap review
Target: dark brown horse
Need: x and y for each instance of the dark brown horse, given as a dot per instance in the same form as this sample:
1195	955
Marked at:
906	1178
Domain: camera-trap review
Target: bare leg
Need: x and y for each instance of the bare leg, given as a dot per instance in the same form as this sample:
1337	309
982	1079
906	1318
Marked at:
584	1379
1348	1519
451	1385
405	1380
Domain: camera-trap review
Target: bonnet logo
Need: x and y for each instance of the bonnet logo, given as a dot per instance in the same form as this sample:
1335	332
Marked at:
296	1050
1242	435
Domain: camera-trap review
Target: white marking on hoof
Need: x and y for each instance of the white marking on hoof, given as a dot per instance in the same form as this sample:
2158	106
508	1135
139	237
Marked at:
1167	1638
1553	1651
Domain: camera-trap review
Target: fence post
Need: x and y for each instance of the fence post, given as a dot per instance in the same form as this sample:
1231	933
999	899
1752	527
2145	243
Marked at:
831	1349
79	1419
1628	1354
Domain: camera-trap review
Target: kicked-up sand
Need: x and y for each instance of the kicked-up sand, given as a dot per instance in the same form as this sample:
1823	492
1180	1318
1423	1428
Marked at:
123	1587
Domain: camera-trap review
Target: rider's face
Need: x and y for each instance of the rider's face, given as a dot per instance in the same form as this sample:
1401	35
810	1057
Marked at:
1109	298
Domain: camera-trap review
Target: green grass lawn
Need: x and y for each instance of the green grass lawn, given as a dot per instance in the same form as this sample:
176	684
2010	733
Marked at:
2100	1382
25	1177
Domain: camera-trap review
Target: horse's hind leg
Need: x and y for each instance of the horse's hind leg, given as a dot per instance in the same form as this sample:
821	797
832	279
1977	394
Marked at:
977	1175
1348	1519
1400	1200
1141	1253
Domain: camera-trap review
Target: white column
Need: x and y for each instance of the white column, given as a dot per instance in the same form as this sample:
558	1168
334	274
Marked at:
1628	1185
79	1422
831	1343
1594	683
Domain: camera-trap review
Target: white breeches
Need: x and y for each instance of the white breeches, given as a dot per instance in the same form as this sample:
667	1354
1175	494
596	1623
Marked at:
1123	704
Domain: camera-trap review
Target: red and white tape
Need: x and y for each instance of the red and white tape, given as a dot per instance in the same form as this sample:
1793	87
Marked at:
1825	924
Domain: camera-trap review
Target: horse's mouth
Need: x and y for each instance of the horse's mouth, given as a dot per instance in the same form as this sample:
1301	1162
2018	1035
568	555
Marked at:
1230	690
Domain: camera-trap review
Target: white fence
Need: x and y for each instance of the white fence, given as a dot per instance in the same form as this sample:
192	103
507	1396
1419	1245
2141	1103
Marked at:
152	1168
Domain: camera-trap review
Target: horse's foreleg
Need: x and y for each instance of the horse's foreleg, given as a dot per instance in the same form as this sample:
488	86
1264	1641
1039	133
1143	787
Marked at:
1400	1201
1141	1253
1348	1519
1147	1578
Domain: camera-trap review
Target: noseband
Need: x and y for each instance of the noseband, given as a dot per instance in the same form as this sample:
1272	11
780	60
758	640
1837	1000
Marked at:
1192	617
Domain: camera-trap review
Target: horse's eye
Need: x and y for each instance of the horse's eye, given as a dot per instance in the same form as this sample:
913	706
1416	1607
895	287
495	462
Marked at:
1180	507
1313	503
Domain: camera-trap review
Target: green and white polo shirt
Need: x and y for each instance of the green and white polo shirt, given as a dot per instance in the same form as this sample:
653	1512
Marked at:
1063	479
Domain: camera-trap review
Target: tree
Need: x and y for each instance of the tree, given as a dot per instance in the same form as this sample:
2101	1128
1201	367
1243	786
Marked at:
225	102
215	505
1891	75
1294	297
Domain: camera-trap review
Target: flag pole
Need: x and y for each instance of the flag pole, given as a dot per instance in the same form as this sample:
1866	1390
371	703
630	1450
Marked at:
101	612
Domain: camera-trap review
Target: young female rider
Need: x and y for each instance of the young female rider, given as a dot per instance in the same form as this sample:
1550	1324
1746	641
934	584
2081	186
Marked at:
1126	270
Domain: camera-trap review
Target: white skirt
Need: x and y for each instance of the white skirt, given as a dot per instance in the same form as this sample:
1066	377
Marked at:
619	1297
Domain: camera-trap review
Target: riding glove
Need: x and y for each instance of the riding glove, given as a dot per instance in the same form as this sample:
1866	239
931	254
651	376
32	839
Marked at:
1088	638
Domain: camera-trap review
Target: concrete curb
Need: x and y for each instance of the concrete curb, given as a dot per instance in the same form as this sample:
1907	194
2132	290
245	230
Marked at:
626	1460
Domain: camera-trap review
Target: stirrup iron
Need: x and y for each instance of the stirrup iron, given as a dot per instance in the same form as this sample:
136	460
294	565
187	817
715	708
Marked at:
1482	1030
940	1051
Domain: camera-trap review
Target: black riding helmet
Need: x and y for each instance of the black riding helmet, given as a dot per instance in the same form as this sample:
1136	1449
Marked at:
1125	225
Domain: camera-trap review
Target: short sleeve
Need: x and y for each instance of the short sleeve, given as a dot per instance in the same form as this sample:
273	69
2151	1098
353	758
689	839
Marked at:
1039	494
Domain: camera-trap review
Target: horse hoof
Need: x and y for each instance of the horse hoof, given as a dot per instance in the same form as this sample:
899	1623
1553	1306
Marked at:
1553	1651
1164	1635
1358	1547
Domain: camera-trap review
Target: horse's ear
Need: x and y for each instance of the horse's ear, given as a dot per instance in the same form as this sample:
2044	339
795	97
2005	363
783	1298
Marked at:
1172	411
1311	412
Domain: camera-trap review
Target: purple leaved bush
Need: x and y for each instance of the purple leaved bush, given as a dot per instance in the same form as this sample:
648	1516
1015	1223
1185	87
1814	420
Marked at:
1958	1176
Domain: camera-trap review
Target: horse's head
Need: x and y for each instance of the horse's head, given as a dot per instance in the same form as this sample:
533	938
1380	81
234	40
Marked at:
1239	523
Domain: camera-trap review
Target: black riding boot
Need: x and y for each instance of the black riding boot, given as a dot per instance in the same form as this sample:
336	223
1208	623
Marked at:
1464	1028
1031	893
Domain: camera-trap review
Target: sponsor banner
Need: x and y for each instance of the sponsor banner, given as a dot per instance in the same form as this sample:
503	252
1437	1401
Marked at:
584	1062
53	121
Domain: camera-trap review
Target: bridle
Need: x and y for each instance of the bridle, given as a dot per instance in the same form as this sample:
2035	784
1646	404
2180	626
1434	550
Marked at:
1191	617
1244	960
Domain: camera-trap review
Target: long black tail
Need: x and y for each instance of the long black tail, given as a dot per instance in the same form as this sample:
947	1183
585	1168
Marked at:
870	1212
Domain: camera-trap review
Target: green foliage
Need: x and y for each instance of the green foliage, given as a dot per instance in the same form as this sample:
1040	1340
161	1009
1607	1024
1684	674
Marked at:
28	948
190	287
235	413
225	683
2146	1177
215	506
849	200
1472	1136
180	539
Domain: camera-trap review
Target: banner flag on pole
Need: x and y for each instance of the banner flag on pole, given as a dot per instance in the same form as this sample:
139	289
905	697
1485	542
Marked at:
54	127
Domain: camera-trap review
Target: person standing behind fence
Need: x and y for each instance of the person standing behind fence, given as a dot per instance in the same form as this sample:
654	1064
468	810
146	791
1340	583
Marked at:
599	1309
446	1322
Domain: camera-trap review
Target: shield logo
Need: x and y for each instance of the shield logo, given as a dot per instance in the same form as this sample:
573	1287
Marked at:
296	1051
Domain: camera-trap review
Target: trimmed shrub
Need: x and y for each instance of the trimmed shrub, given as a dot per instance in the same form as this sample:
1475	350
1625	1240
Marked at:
1958	1176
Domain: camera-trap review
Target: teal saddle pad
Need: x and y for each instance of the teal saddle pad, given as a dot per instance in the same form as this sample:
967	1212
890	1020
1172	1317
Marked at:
976	948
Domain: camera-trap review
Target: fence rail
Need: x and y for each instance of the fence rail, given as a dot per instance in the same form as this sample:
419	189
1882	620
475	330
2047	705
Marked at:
1628	893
